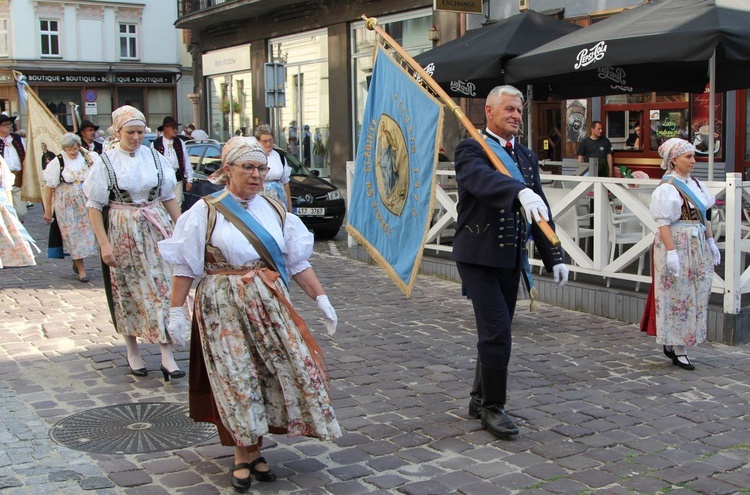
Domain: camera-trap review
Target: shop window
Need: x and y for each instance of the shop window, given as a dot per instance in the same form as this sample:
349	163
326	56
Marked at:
128	41
747	126
4	37
409	30
666	124
304	122
160	105
132	97
49	38
57	102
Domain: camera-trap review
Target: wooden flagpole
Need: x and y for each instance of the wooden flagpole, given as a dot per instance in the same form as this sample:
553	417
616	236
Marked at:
372	25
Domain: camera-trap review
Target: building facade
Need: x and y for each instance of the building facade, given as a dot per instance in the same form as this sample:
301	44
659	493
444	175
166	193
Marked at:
326	52
98	55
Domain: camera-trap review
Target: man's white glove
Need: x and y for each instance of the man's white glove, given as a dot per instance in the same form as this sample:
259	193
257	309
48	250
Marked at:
714	251
331	319
533	205
673	262
177	327
560	272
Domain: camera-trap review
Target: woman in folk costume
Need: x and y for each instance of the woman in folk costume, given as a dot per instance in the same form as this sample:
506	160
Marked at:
254	366
276	181
131	202
64	177
15	241
684	254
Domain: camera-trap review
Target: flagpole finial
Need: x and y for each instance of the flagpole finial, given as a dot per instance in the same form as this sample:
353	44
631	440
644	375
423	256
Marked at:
370	22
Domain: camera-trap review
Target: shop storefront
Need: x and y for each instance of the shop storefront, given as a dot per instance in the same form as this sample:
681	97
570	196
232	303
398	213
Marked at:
638	124
229	92
8	93
304	122
97	94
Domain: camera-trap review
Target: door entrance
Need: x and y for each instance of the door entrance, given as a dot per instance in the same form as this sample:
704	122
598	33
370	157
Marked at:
550	138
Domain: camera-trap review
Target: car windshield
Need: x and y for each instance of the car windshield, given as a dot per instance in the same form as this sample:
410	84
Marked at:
296	165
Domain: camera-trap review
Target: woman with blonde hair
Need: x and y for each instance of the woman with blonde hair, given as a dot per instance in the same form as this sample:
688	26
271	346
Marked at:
132	207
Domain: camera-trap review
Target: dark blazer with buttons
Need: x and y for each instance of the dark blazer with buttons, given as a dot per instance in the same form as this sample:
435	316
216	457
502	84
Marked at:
490	228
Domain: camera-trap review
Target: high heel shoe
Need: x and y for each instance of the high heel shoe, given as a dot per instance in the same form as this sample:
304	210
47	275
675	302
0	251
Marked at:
139	372
172	374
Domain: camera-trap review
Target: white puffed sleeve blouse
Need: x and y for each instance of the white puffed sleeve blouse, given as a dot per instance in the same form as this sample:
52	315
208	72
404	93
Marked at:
186	248
666	201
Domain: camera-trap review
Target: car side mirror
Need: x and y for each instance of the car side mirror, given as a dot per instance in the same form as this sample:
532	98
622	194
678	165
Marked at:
315	173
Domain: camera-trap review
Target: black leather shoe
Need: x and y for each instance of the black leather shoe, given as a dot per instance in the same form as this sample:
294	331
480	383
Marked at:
686	366
241	485
475	408
261	475
171	374
670	353
499	423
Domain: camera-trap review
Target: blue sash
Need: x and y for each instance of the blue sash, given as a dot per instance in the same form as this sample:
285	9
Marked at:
683	187
515	172
266	239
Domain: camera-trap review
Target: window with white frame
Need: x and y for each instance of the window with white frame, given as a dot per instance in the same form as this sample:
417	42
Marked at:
128	41
4	37
49	32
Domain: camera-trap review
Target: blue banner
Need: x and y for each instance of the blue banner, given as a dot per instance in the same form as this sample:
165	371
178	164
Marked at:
393	190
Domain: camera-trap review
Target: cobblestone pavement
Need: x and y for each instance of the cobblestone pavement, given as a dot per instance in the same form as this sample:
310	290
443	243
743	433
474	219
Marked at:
600	409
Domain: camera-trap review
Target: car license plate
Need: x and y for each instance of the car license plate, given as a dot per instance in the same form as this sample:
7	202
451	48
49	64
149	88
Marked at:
315	212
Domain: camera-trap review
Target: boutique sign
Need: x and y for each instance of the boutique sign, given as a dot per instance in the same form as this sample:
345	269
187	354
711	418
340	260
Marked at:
86	79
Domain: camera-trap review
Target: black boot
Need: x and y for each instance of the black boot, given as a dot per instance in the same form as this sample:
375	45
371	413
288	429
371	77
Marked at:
494	389
475	403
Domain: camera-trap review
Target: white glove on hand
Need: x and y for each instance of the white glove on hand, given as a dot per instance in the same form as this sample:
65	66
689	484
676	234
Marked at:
177	327
714	251
331	319
533	205
560	272
673	262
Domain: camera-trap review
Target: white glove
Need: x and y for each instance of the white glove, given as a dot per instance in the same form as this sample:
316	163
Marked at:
673	263
177	327
714	251
533	205
331	319
560	272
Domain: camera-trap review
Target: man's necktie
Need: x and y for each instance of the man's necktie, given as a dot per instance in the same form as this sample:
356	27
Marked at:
509	149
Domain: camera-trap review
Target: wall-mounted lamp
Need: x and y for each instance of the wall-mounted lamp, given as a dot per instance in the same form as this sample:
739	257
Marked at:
433	34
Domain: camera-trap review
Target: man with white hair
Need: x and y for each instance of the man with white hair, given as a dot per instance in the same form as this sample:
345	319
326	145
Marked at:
496	212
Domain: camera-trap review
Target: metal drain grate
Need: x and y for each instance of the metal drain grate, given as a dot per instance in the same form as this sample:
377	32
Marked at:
131	429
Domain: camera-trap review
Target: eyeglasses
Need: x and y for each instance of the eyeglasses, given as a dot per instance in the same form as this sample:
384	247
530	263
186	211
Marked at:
267	140
262	170
6	123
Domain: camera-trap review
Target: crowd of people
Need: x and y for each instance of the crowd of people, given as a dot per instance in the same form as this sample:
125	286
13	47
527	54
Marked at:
255	367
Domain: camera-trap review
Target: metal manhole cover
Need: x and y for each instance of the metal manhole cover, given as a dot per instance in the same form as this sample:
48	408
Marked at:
131	429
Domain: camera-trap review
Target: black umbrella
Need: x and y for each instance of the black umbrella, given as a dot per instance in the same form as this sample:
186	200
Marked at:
669	45
662	45
473	64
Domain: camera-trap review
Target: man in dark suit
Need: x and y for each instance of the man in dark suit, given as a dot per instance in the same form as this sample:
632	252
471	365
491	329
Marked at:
494	212
87	133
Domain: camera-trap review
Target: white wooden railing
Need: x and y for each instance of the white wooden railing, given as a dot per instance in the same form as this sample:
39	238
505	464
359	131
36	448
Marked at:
632	195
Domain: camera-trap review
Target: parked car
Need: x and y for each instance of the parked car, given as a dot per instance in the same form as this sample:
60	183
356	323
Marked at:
319	204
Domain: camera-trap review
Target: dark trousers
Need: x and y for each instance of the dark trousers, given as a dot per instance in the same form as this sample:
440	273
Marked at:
493	292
